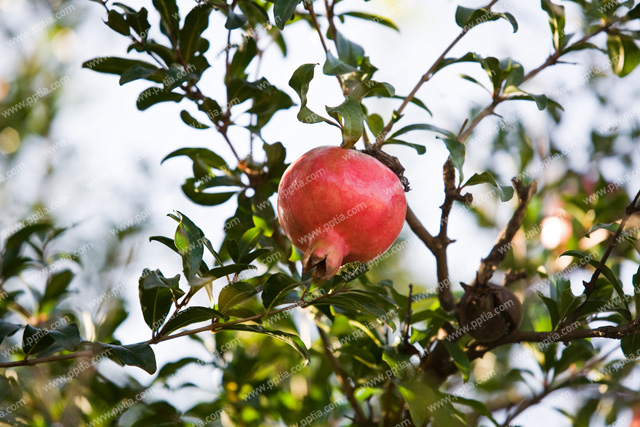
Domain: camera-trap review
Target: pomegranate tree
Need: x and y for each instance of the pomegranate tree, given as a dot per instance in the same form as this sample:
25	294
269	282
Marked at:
339	206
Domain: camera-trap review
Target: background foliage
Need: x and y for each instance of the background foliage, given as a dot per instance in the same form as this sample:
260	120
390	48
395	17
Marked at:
378	353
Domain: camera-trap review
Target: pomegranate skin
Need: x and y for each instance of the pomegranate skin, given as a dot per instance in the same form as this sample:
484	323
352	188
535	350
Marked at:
340	206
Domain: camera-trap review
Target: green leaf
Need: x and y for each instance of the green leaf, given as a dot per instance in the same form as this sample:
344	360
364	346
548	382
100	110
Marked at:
540	100
283	10
459	358
492	66
37	340
291	339
243	57
352	120
421	149
157	294
364	302
200	154
212	110
556	22
251	256
116	22
155	95
140	355
299	82
375	18
114	65
376	124
235	294
140	71
612	227
634	13
606	272
248	241
202	198
234	20
335	67
457	152
477	406
552	306
468	57
373	88
219	272
505	191
57	285
189	316
423	126
190	121
276	289
189	241
7	329
630	345
468	18
136	20
624	54
350	53
169	18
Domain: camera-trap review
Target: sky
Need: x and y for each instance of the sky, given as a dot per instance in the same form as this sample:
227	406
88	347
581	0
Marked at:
112	151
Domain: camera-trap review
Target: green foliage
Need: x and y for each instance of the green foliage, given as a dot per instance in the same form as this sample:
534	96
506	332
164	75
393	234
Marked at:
384	347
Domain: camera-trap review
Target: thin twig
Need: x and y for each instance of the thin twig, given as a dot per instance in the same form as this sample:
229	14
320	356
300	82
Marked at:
213	327
407	320
551	60
500	249
425	78
438	246
314	18
591	285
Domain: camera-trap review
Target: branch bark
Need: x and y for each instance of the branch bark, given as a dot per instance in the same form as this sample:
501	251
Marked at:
591	285
499	251
213	327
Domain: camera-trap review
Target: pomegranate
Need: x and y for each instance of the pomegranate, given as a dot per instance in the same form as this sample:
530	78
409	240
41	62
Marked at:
338	206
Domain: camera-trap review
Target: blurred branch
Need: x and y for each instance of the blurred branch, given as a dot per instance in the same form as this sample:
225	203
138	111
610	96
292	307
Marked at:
477	350
591	286
314	18
499	251
438	247
425	78
551	60
343	379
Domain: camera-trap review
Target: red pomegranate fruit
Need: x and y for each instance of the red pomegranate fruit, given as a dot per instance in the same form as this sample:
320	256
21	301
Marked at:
339	206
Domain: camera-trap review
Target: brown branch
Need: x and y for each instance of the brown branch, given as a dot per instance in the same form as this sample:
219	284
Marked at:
439	250
33	362
612	332
553	59
343	379
213	327
420	231
314	18
425	78
499	251
407	320
591	285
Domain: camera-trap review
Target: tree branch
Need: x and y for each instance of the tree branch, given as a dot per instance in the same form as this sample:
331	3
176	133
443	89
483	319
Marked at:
425	78
314	18
591	286
499	251
213	327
